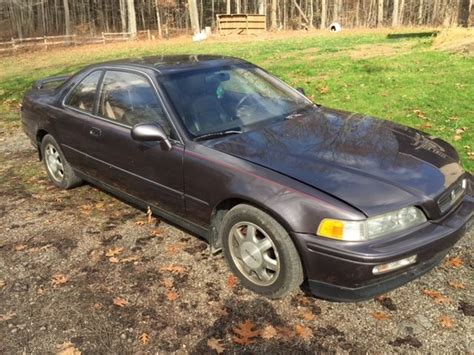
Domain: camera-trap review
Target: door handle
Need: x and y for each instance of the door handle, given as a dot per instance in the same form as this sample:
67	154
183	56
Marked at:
96	132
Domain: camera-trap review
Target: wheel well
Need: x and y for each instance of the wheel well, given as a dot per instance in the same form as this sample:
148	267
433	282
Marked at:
39	138
221	209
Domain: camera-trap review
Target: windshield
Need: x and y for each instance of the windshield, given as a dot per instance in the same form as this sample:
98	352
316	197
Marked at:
229	98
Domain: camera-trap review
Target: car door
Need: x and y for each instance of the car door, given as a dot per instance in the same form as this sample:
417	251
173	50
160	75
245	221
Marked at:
141	169
71	121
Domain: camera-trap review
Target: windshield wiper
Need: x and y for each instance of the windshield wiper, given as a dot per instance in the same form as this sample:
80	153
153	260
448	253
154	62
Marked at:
216	134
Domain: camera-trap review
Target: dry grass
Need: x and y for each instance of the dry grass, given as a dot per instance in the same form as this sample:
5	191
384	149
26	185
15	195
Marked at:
456	40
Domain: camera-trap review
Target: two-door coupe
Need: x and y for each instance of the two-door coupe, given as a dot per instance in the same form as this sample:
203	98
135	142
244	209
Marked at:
290	191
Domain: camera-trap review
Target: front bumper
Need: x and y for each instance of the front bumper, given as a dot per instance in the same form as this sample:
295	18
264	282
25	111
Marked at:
342	271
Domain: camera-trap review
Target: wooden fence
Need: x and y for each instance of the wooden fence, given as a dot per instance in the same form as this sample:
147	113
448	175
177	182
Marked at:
72	40
241	23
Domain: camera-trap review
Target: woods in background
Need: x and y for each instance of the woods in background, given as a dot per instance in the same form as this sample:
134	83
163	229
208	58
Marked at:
26	18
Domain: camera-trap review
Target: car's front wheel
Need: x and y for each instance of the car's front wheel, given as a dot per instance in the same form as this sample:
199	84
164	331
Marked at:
260	252
59	171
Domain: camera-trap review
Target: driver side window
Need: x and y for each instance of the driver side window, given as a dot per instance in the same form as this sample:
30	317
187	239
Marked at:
130	99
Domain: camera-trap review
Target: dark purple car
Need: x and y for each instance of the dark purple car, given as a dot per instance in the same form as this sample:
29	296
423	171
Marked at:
291	191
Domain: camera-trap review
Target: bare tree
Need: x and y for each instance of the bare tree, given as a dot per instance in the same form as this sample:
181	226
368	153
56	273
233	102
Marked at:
395	13
123	15
132	20
67	17
193	16
324	13
274	24
463	13
380	13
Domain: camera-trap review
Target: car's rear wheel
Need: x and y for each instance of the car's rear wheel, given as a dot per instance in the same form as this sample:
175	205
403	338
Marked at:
260	252
59	171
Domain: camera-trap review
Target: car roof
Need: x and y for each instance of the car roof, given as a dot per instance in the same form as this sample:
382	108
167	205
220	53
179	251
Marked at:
167	64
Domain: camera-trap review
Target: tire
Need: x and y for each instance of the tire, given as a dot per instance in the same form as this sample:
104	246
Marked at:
260	252
59	170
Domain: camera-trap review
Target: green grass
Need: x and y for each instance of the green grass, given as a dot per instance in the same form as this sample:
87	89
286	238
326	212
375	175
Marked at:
403	80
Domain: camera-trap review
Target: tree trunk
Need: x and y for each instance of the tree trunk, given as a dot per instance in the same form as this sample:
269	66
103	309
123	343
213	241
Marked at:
463	13
336	16
132	20
395	13
380	13
237	6
123	15
311	13
261	7
420	12
193	16
324	13
274	24
158	20
67	17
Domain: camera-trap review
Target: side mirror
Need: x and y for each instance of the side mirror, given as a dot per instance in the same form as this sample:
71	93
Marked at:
151	132
301	91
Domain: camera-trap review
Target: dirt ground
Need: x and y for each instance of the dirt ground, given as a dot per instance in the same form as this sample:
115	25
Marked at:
82	271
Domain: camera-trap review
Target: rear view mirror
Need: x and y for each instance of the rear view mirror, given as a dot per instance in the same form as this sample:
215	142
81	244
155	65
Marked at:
150	132
301	91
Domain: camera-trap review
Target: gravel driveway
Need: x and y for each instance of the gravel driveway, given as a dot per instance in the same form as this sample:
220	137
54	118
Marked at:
83	271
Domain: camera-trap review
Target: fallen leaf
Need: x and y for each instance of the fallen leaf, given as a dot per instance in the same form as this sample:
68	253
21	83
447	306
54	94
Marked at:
98	306
114	252
7	316
114	260
58	280
307	315
149	215
454	118
140	223
460	130
419	113
232	281
268	332
172	296
20	247
245	333
2	284
120	302
455	262
437	296
175	248
457	285
68	349
380	315
144	338
457	137
285	332
130	259
175	269
446	322
168	283
216	345
157	233
324	90
303	332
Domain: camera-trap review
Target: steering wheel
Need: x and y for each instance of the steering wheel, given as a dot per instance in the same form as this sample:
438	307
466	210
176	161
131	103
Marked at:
241	101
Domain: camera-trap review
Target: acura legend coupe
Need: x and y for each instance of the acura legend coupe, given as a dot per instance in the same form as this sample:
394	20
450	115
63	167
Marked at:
292	192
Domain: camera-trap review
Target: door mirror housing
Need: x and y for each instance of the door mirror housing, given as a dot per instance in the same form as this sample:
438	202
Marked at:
301	91
151	132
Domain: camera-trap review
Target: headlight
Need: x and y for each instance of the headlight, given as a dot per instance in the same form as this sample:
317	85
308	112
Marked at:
373	227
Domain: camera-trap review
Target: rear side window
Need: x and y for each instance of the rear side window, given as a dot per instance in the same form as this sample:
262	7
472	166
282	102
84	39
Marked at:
83	95
130	99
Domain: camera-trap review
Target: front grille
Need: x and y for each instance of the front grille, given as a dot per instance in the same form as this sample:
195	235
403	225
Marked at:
452	196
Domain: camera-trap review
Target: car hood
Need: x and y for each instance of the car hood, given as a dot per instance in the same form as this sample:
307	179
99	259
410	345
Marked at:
372	164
